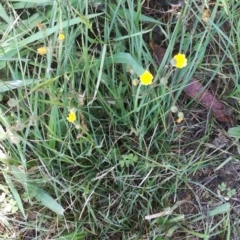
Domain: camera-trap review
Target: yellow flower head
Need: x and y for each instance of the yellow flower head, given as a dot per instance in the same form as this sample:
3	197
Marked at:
146	78
180	61
61	37
42	50
71	117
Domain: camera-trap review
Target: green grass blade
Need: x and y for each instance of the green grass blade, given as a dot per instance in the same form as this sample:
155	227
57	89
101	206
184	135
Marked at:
4	15
34	1
10	49
46	200
224	208
15	194
75	235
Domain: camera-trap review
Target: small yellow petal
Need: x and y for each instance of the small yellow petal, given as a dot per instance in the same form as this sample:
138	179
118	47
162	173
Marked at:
61	37
179	120
180	60
146	78
71	117
42	50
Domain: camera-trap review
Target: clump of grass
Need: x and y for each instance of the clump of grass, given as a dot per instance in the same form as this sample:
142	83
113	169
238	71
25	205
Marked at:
88	148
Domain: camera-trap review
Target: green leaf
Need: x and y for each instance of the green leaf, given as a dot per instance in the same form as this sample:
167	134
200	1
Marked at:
135	158
222	186
234	132
9	85
231	192
48	201
4	15
44	198
218	210
9	49
128	59
15	194
74	235
128	159
34	1
121	163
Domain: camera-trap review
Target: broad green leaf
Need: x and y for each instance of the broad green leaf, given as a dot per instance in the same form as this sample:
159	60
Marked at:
33	191
234	132
128	59
46	200
9	85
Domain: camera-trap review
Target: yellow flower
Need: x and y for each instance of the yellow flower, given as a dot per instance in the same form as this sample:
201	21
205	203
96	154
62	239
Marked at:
71	117
42	50
61	37
180	60
146	78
